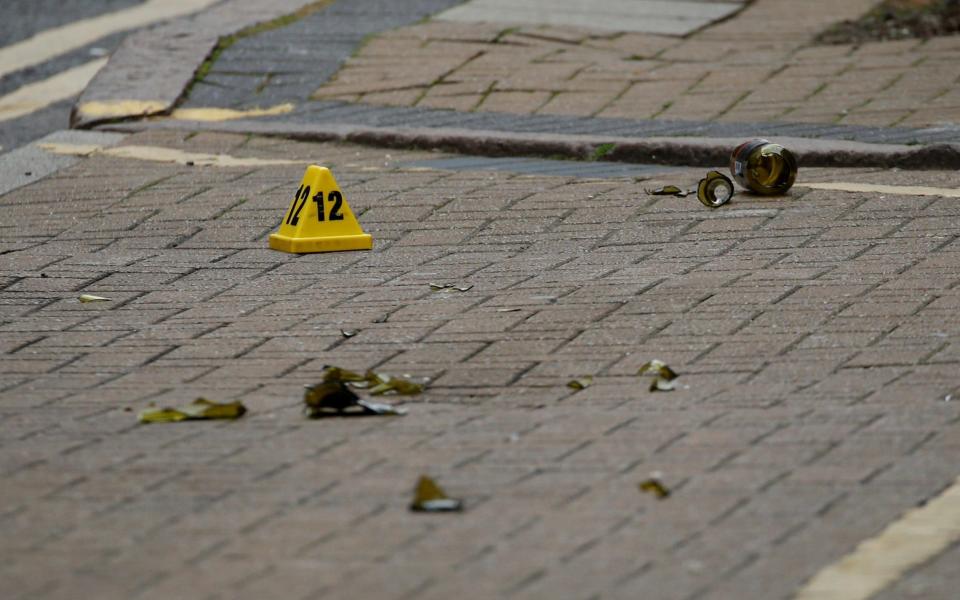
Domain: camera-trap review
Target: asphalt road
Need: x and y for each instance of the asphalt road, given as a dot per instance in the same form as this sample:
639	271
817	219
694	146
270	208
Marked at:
26	18
38	83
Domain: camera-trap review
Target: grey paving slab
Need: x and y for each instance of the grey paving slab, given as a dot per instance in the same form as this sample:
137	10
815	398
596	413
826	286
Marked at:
676	17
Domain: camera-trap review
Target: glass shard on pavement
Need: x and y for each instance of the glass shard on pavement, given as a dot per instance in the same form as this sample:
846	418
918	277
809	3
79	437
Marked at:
655	487
332	374
580	382
199	409
659	384
382	384
332	397
375	383
715	189
429	497
335	399
670	190
663	376
659	368
465	287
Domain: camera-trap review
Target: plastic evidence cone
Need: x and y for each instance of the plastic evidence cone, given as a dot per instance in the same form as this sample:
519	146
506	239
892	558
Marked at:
319	218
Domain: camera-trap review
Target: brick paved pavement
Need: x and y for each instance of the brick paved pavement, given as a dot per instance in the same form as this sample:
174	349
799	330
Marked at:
760	65
816	336
755	74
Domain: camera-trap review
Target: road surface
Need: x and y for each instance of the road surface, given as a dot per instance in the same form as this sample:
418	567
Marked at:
50	49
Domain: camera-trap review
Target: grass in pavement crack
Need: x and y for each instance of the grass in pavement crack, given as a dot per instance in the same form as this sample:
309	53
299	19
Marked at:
601	151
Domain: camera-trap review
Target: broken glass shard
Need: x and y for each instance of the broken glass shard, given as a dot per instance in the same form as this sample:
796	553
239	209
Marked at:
659	384
715	189
653	486
380	408
336	374
670	190
659	368
429	497
162	415
201	408
580	382
375	383
329	397
374	378
335	399
436	287
381	384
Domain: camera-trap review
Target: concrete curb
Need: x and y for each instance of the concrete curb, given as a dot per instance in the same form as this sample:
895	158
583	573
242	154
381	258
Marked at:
149	72
690	151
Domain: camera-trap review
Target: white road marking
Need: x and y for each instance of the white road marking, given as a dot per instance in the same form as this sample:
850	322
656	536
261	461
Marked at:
165	155
61	86
902	190
60	40
121	108
918	536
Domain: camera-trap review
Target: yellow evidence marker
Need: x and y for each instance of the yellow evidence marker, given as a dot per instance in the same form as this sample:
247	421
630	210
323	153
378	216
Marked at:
319	218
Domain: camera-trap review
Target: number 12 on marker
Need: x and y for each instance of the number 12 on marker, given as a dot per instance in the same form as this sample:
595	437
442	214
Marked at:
293	217
336	198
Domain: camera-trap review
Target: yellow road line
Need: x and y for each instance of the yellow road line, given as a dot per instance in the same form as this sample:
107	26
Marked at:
39	95
60	40
165	155
228	114
121	108
918	536
129	108
903	190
